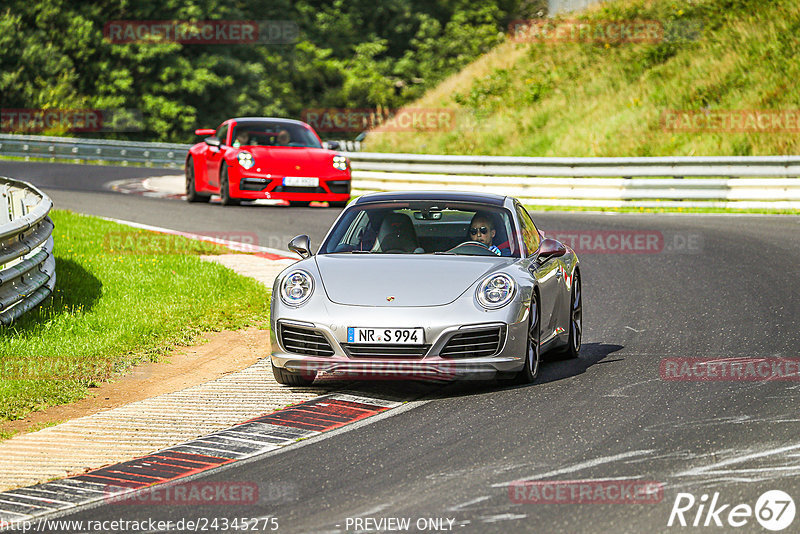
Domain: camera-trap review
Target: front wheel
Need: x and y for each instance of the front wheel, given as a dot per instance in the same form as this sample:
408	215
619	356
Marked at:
575	318
340	204
533	347
225	189
191	187
282	376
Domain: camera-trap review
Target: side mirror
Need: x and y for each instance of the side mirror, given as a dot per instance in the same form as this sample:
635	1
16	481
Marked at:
301	245
550	248
213	141
205	131
333	145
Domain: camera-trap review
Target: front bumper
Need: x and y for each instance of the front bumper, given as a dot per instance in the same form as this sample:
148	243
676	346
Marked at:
440	324
251	185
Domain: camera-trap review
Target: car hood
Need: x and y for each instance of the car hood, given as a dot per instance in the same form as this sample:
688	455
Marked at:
291	161
393	280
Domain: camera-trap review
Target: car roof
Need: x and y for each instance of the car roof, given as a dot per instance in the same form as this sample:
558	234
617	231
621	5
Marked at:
442	196
275	119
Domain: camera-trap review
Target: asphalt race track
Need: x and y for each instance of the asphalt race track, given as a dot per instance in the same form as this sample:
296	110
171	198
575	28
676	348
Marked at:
607	415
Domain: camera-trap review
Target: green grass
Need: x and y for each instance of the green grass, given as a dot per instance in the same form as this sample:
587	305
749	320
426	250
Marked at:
608	98
113	307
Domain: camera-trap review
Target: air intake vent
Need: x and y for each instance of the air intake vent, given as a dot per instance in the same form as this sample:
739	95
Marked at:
298	189
386	351
474	344
304	341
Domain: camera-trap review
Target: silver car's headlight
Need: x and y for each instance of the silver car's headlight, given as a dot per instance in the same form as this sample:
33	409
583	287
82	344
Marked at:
340	162
245	159
496	291
296	287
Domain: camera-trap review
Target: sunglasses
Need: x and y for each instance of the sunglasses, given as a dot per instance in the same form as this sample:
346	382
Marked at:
474	231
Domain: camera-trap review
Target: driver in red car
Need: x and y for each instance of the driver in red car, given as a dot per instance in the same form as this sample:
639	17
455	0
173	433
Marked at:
284	138
481	229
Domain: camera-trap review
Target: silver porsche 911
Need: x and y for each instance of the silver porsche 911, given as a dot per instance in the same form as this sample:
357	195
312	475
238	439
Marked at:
426	285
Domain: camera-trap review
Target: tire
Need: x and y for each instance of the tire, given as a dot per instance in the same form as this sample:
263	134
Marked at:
533	356
191	190
575	318
340	204
224	188
299	203
282	376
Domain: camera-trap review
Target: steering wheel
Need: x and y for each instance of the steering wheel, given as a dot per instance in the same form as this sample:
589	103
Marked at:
472	247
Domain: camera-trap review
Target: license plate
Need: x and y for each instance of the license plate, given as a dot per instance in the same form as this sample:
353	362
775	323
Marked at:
394	336
301	181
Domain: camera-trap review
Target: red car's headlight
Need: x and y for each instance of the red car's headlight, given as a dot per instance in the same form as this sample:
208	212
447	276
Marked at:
245	159
340	162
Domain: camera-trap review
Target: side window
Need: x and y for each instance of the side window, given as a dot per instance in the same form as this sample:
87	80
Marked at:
530	235
222	134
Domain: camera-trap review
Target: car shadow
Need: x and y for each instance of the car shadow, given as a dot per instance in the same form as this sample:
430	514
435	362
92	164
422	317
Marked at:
591	354
551	370
76	289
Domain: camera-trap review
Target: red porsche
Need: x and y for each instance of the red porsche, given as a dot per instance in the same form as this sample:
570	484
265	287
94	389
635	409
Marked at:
260	157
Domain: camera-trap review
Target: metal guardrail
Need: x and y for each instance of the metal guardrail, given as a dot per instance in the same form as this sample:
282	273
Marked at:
169	155
73	148
27	265
731	182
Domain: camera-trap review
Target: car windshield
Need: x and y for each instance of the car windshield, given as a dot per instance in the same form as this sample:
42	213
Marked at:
273	133
423	228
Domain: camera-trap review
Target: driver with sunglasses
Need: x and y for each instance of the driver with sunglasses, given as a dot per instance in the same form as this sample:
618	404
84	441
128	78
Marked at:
481	229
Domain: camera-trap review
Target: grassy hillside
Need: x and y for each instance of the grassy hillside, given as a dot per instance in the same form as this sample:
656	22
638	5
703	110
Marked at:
609	98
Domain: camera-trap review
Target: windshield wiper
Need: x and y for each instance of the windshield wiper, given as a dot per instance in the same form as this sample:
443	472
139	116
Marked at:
445	253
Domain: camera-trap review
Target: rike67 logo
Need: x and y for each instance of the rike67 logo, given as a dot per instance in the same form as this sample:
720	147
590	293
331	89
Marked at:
774	510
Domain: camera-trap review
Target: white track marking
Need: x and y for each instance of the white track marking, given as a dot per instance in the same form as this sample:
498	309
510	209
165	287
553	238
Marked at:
578	467
233	245
467	504
501	517
617	392
711	469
